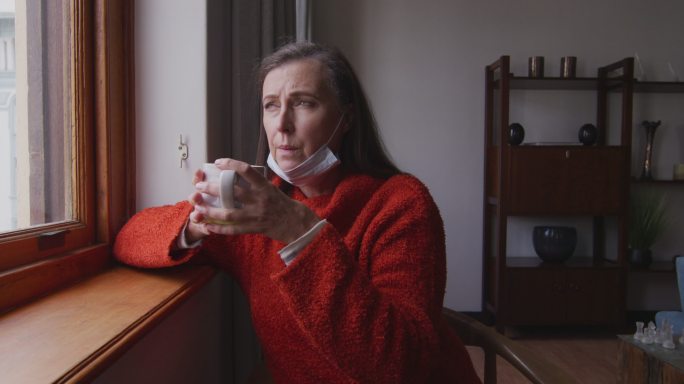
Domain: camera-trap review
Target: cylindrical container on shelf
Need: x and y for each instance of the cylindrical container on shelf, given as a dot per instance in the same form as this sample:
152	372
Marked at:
536	66
568	67
678	172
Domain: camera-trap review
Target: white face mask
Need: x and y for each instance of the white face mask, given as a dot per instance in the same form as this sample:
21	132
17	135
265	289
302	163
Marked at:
317	164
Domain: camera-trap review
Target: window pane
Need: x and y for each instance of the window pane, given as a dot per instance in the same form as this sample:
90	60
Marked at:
35	114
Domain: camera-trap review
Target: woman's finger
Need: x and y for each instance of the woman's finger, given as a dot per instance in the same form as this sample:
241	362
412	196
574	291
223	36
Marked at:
225	163
196	217
198	176
196	229
195	198
254	177
211	188
218	216
223	229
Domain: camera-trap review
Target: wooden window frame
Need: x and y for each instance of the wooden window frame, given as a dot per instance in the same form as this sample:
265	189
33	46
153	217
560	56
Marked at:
36	261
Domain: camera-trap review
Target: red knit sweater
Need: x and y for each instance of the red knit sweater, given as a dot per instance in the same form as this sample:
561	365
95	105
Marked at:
361	303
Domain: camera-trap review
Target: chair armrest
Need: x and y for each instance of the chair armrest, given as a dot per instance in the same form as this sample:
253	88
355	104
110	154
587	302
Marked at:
532	366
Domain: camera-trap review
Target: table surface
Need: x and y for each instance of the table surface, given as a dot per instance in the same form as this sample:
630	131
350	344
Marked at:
674	357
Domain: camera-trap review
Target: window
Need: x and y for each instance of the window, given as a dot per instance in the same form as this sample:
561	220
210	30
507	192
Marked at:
65	113
48	160
34	98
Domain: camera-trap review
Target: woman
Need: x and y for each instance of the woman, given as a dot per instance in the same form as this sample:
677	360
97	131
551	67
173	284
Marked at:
341	256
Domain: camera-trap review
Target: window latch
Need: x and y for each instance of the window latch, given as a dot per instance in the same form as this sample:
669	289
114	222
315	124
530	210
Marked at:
52	239
182	150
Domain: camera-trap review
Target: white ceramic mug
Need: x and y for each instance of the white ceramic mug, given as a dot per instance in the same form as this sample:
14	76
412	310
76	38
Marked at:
226	180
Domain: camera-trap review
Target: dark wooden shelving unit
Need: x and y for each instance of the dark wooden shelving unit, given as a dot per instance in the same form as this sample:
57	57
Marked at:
556	180
658	87
655	267
657	182
550	83
574	262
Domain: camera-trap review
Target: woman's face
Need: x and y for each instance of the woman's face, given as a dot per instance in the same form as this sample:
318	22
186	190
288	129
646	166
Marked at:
300	112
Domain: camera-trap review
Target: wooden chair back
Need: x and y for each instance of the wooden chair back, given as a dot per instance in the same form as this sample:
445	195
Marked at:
532	366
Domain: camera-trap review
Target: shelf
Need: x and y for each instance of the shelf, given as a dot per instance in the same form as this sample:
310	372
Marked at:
573	262
552	83
657	182
589	84
563	145
655	267
658	87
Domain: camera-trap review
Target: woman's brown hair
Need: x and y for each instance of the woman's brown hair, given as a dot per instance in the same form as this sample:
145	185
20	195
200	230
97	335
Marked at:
362	150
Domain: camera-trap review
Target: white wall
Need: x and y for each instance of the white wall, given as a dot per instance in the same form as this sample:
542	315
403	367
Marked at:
194	343
422	63
170	54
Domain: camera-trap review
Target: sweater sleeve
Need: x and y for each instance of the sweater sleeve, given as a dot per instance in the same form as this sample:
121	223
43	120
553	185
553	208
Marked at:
376	324
148	239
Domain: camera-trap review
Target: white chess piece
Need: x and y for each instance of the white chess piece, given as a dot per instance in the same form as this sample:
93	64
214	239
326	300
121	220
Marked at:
668	343
639	334
649	333
661	332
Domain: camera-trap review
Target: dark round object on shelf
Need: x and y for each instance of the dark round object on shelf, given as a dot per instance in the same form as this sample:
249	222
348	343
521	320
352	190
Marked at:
516	134
588	134
554	244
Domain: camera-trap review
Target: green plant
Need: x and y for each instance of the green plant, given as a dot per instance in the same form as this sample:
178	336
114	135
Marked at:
648	218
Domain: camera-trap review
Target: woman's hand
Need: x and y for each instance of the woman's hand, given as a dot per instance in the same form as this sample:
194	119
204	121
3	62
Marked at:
265	209
196	228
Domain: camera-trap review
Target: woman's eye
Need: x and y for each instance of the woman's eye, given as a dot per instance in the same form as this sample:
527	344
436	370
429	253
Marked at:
304	103
270	105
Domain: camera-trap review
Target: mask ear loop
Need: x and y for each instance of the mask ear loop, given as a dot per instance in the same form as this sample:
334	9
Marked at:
339	123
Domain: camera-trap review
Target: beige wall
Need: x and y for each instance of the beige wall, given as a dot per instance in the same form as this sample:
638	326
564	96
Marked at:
422	63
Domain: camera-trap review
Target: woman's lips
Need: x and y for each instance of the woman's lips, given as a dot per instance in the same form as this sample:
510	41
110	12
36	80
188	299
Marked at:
287	152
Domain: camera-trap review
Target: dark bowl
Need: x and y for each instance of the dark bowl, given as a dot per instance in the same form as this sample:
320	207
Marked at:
554	244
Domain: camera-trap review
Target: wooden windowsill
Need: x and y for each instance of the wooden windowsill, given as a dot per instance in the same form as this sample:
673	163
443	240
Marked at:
74	334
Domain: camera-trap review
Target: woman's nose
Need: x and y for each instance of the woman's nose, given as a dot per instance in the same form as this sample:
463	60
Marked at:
285	123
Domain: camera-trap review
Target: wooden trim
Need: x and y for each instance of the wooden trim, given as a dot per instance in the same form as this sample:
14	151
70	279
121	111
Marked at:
103	123
74	335
22	247
23	284
82	113
114	100
102	109
129	68
95	364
